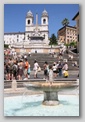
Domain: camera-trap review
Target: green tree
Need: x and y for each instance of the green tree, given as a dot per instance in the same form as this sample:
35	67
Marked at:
67	45
53	40
6	46
73	43
65	22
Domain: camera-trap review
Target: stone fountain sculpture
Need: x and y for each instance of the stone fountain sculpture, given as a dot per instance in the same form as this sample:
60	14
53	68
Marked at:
51	91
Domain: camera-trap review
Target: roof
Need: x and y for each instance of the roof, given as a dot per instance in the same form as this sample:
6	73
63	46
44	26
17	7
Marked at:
44	13
75	16
67	26
7	33
29	14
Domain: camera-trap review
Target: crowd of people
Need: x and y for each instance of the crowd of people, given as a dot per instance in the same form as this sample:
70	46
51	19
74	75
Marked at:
58	69
18	67
21	69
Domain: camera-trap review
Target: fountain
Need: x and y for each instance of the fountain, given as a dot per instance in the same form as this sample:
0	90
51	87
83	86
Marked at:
51	103
51	90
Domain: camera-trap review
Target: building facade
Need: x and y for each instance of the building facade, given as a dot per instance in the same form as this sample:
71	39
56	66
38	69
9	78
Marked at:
76	18
36	33
33	33
35	38
67	34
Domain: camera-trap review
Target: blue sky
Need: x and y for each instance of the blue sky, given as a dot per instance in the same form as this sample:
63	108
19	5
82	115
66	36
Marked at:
15	14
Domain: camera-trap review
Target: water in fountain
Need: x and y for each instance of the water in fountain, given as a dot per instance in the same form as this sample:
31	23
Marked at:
32	106
51	91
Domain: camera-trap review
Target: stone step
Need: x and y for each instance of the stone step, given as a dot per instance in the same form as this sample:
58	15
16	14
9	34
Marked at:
41	58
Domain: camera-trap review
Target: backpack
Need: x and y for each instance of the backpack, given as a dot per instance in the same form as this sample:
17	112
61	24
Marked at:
26	64
15	68
60	66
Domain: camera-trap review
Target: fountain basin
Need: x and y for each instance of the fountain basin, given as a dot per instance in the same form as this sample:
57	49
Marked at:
51	90
31	105
55	86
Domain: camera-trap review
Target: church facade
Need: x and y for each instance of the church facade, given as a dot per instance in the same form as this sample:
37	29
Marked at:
35	37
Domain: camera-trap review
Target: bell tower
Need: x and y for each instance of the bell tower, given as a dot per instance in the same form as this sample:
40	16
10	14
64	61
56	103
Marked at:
28	25
44	18
29	19
44	24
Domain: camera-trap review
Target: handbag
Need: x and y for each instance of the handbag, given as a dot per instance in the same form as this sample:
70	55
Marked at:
39	69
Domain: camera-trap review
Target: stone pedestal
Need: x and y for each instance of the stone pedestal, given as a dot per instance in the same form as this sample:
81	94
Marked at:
50	98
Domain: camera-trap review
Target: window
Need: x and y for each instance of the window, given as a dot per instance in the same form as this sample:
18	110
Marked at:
44	21
28	21
68	41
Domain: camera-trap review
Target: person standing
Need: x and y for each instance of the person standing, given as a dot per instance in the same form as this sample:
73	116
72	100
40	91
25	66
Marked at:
60	69
46	70
65	67
20	70
65	70
54	69
35	68
26	65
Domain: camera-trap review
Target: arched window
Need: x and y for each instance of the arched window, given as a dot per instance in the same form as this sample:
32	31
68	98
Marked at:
28	21
44	21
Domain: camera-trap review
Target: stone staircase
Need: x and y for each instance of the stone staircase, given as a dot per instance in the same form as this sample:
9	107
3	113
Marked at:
41	58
